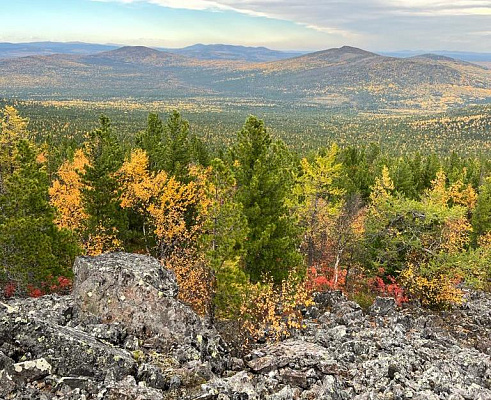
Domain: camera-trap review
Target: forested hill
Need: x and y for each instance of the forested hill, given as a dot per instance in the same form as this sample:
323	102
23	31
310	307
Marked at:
344	77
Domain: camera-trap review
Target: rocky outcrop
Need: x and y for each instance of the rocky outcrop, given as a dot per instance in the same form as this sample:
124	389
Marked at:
124	335
136	292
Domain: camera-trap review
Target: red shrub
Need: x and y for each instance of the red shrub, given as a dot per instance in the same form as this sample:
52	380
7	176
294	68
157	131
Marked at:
10	289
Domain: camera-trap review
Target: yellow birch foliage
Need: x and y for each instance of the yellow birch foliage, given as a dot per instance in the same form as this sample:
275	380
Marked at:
272	313
165	203
194	277
103	241
484	241
162	199
66	193
455	234
66	196
437	292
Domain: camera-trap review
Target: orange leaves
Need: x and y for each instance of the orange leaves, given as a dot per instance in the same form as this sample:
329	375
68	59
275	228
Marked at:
66	196
66	193
102	240
166	203
194	278
455	234
161	199
273	313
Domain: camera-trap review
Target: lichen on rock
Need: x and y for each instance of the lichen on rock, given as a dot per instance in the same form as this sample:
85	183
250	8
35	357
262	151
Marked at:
124	335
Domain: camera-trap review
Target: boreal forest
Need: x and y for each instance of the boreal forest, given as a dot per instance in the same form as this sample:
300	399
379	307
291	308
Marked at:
251	228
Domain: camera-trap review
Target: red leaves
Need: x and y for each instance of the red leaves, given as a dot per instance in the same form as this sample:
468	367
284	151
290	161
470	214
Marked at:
322	278
391	289
59	285
9	290
34	292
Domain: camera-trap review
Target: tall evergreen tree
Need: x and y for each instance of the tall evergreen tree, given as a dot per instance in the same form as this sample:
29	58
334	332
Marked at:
100	192
32	248
263	174
152	140
481	218
13	129
170	145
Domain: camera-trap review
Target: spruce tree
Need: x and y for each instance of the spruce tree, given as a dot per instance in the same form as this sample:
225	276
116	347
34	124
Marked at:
481	218
152	140
32	248
100	193
170	145
263	173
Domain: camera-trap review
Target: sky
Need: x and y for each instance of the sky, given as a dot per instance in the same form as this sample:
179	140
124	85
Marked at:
376	25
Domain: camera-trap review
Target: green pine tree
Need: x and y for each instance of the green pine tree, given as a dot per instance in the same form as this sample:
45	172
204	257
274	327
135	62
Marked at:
481	218
263	173
224	240
32	248
100	195
170	145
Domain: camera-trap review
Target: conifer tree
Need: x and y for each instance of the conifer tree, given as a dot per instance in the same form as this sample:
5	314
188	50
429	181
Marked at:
481	218
13	129
32	247
152	140
224	238
171	147
106	219
262	169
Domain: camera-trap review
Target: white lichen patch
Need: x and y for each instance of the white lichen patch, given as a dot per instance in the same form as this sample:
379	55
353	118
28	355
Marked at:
40	364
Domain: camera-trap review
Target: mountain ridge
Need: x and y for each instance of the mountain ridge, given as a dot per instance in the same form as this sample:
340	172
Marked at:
339	77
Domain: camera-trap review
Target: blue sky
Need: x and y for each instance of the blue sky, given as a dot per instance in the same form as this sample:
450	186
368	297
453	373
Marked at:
291	24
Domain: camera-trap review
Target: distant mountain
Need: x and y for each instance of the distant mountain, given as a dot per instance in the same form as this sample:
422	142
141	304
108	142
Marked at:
459	55
198	51
236	53
13	50
345	77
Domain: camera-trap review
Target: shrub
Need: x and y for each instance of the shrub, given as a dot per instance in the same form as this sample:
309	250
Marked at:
438	291
271	313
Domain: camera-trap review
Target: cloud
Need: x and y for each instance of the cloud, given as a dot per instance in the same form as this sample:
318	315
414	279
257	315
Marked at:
360	21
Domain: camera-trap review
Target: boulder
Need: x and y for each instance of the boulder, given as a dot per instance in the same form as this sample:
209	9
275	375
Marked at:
69	351
383	306
137	292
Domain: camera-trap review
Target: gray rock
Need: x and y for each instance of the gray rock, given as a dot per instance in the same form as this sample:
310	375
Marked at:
137	292
329	298
31	370
383	306
71	352
387	354
291	352
7	383
127	389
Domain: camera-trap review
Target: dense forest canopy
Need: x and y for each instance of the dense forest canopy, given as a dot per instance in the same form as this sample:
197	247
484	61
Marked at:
250	228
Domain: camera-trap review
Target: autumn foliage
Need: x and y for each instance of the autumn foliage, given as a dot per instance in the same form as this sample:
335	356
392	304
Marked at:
251	233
